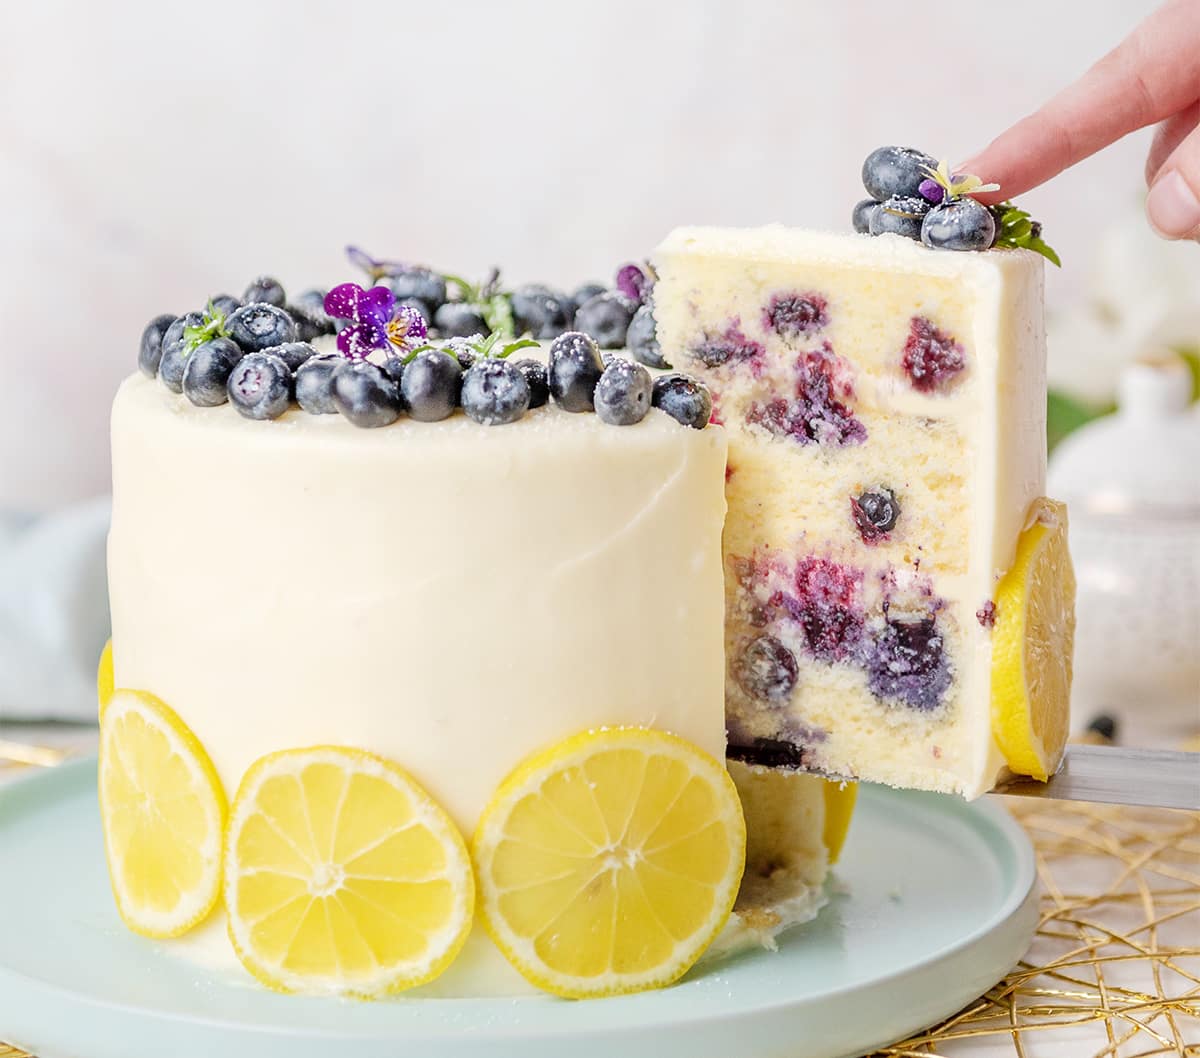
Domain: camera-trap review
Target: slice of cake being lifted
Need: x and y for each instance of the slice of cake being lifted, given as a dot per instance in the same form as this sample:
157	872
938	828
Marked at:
885	405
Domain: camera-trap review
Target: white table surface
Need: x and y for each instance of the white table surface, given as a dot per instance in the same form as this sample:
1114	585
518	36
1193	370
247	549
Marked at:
1077	1042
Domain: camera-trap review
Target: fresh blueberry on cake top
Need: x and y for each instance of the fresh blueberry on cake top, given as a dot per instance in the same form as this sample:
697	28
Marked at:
365	395
207	371
540	311
585	292
622	396
265	289
535	378
574	368
292	353
224	303
495	392
457	319
421	283
174	349
684	399
260	386
150	347
314	384
642	338
430	385
900	215
889	171
606	317
259	325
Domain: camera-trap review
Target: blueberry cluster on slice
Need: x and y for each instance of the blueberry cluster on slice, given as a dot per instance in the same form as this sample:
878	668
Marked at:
910	199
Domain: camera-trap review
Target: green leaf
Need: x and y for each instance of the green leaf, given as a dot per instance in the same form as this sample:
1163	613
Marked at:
1065	414
512	347
212	326
497	313
1038	246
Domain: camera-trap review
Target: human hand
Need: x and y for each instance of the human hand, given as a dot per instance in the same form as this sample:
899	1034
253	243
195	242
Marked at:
1152	76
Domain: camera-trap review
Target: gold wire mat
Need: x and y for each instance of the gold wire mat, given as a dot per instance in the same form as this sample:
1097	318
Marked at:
1114	971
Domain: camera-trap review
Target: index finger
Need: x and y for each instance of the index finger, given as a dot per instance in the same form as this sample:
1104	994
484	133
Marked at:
1152	74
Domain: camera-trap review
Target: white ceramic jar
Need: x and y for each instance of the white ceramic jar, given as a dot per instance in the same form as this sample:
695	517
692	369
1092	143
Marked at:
1132	485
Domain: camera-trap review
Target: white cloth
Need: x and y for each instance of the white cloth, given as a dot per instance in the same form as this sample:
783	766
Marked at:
53	611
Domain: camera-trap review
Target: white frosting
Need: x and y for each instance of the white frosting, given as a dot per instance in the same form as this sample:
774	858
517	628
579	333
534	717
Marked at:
448	595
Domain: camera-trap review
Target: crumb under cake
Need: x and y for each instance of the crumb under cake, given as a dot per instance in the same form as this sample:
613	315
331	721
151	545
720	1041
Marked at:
464	645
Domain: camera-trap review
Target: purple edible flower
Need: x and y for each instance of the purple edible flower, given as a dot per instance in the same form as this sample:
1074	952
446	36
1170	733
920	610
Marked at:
931	190
634	283
375	269
378	322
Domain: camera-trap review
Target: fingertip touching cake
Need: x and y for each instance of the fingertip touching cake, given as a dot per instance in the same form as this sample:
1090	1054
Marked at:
456	653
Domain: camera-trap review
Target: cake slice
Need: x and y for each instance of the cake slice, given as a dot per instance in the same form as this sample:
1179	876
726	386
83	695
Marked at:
885	408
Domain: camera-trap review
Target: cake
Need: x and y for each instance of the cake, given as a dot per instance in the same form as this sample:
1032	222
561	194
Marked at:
443	595
458	650
885	406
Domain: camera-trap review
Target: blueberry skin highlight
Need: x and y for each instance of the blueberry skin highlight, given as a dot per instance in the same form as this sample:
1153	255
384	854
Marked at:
890	171
687	401
207	370
430	386
365	395
623	394
150	347
606	317
574	369
642	338
260	386
495	392
259	325
962	224
314	384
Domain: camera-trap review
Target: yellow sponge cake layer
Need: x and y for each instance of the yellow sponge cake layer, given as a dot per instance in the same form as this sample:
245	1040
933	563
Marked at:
885	407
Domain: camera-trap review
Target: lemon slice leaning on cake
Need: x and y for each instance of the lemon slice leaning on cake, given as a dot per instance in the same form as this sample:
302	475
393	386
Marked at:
163	811
342	876
104	676
1031	646
609	862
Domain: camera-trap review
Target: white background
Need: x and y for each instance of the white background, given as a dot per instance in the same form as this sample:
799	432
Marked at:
152	154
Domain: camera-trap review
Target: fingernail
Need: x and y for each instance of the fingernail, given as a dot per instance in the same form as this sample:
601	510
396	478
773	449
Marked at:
1172	207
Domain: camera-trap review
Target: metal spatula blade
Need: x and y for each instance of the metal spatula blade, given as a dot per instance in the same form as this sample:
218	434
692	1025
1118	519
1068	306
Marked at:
1157	778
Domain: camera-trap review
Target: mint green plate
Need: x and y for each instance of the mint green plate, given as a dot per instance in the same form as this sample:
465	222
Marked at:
934	902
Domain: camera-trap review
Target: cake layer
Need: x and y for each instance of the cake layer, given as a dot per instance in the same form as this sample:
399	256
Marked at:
447	595
885	407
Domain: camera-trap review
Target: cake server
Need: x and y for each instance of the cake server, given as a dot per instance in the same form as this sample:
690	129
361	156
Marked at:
1158	778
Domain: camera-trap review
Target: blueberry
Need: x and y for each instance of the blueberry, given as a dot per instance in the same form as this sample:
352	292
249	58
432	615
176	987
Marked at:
623	393
259	326
642	338
365	395
458	319
314	384
495	392
892	171
543	312
150	349
264	289
393	367
875	513
207	372
900	216
431	385
574	369
174	351
426	286
535	377
862	215
225	303
308	311
260	386
585	292
766	669
292	353
684	399
421	307
462	349
962	224
606	317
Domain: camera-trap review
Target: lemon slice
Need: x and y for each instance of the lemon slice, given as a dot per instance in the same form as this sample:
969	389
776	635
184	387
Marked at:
163	812
104	676
342	876
1031	646
608	862
840	798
